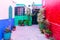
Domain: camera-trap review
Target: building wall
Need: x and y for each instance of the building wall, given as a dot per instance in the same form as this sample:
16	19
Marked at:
28	2
4	15
53	15
4	7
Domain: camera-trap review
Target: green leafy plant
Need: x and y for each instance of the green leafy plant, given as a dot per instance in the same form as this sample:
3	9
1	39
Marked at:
7	30
48	31
27	22
20	22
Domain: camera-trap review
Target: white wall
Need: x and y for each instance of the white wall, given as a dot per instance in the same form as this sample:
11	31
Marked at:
4	7
28	2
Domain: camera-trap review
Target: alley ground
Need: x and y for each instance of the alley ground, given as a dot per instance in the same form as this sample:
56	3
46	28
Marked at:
28	33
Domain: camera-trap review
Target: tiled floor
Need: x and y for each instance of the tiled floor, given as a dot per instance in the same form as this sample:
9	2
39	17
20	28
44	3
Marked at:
27	33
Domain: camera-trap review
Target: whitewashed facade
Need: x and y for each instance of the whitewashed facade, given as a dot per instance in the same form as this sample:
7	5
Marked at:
4	8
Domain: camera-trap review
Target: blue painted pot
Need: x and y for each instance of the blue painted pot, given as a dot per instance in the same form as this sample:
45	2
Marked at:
7	35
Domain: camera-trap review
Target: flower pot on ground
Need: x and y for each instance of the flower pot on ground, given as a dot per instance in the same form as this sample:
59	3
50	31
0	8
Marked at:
14	28
20	22
26	22
7	34
51	38
48	33
42	27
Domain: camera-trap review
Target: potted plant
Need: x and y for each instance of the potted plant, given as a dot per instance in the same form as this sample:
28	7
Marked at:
48	33
14	28
27	22
7	34
20	22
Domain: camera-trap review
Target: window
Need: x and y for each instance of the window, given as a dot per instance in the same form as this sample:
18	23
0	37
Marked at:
19	11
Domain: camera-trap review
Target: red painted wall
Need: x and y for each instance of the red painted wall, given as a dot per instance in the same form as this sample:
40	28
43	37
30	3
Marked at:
53	15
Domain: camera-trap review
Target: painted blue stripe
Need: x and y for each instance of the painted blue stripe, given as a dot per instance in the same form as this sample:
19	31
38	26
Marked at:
3	24
1	35
21	5
37	5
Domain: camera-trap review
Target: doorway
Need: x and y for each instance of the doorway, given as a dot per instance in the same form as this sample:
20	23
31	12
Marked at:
10	12
34	17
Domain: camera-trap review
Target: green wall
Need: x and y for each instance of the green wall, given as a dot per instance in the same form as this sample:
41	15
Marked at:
25	17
